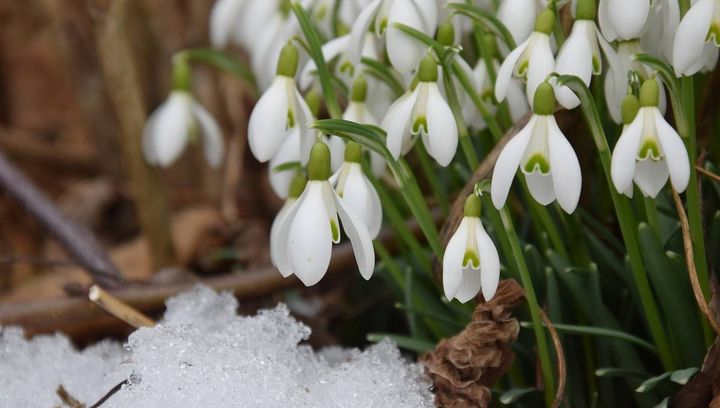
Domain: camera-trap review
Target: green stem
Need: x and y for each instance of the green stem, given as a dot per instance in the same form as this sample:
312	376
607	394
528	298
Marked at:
433	179
651	213
543	349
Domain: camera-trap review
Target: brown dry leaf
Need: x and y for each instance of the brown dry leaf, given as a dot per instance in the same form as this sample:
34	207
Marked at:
465	366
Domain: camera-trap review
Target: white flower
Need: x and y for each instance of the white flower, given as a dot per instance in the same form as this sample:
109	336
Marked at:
697	38
296	185
517	102
422	112
623	19
659	34
580	54
403	50
532	60
224	16
649	151
303	242
175	122
289	152
471	261
357	192
280	108
519	17
544	156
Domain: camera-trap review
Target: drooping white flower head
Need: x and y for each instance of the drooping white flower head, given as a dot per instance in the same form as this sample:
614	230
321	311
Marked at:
519	17
697	38
356	191
532	60
278	110
623	20
357	111
404	51
471	261
580	54
422	112
175	122
304	238
649	149
545	157
225	14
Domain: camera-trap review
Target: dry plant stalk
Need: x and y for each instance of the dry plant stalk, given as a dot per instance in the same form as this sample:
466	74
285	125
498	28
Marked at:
465	366
707	173
560	354
690	260
117	308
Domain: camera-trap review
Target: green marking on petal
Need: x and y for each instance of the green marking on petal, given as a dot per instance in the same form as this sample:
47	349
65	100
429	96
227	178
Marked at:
335	230
383	25
347	68
714	33
290	119
420	123
471	259
522	68
597	67
537	162
649	150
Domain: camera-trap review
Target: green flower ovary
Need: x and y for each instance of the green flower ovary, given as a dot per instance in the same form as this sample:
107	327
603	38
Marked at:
537	162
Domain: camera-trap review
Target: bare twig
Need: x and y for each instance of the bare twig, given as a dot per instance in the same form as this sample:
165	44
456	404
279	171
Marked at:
690	260
75	239
68	399
117	308
707	173
560	354
110	393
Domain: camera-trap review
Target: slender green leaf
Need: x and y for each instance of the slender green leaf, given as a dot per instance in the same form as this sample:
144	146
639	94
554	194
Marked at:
291	165
599	331
220	60
487	19
384	73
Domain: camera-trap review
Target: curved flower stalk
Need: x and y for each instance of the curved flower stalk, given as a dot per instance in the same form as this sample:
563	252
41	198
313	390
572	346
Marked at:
422	112
403	51
471	261
355	190
580	54
280	109
357	111
649	150
304	237
519	17
697	38
175	122
532	60
544	156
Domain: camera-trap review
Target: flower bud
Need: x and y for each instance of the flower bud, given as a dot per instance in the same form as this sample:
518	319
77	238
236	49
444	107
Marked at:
359	89
473	206
649	93
288	61
319	163
446	34
544	99
428	71
629	109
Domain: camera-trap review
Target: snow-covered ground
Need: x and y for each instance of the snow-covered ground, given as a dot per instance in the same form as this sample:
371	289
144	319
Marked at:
202	354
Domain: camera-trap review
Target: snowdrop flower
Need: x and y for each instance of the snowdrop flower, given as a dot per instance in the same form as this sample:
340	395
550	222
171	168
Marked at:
279	109
660	29
225	14
403	50
304	238
649	149
296	186
357	111
355	190
697	38
471	261
288	154
623	20
544	156
422	112
175	122
580	54
519	16
532	60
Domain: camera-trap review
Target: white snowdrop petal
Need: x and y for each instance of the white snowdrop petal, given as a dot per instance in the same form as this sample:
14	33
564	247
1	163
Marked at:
170	128
622	166
275	238
268	121
397	122
213	143
519	17
304	119
489	264
605	22
359	238
428	11
690	36
541	64
359	196
225	14
330	50
628	17
516	100
337	152
403	50
453	258
651	176
289	152
564	168
470	285
280	255
575	58
309	237
442	129
507	164
148	139
506	70
359	29
541	187
676	156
